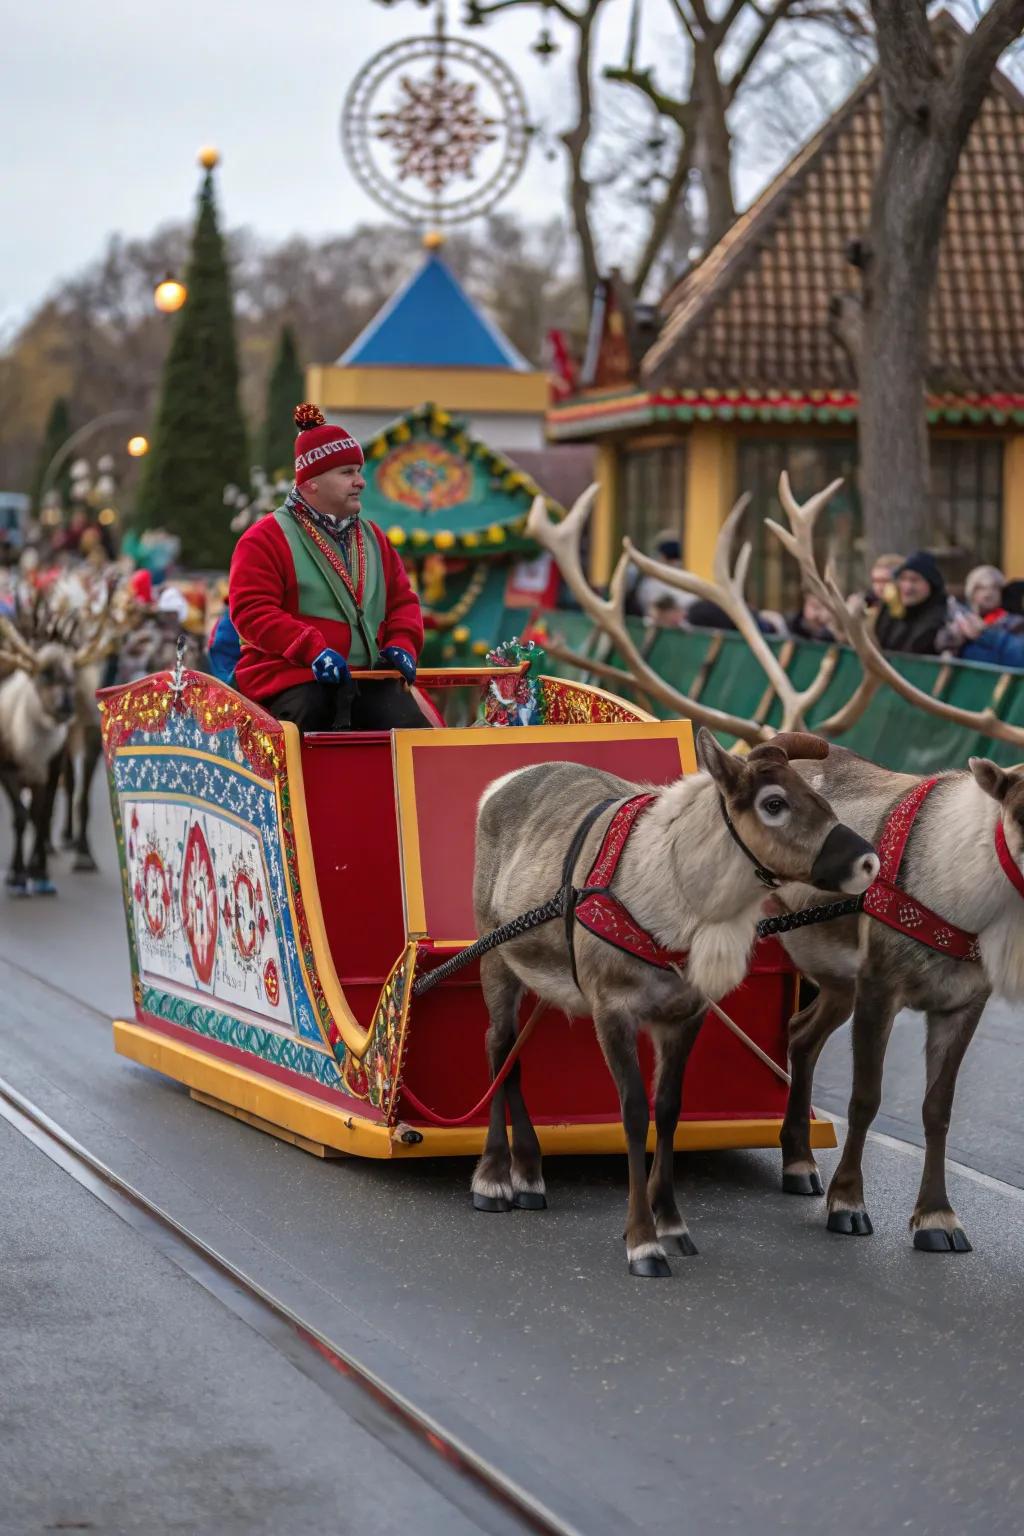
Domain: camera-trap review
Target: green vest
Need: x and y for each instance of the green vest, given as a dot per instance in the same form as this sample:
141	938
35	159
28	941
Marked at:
323	594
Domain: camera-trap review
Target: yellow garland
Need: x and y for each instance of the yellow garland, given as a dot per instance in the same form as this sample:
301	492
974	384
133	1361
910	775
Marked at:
458	611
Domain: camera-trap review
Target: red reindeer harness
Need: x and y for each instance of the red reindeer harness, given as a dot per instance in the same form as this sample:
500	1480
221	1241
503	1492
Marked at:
889	903
602	914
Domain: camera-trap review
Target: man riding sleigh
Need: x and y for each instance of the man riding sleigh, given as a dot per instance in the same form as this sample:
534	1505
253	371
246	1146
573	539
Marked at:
316	591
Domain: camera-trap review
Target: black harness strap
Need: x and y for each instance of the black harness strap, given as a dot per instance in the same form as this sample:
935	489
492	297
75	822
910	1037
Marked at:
764	875
569	894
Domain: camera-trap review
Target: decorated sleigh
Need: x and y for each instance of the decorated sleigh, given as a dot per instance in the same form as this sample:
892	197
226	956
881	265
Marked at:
283	894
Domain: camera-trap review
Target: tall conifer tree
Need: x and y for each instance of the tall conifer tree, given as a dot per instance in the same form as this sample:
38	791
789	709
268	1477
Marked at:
285	390
55	435
199	442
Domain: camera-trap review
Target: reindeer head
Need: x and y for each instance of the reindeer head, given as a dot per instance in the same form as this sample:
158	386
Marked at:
49	665
54	679
784	826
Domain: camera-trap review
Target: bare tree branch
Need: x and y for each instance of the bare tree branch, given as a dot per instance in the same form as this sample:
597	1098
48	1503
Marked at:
764	32
977	58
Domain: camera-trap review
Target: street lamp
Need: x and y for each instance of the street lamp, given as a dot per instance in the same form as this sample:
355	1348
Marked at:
169	295
138	446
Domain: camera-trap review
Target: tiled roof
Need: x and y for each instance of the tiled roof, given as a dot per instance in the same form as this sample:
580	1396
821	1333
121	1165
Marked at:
431	322
753	314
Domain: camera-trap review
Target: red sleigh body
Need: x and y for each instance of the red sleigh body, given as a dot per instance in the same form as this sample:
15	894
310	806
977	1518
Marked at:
281	894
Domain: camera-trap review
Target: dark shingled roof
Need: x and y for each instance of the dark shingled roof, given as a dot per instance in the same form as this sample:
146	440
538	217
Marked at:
754	312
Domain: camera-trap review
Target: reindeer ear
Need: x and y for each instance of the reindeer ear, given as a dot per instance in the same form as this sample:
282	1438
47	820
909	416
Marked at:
988	775
726	770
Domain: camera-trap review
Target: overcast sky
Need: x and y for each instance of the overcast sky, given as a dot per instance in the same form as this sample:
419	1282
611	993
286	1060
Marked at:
105	103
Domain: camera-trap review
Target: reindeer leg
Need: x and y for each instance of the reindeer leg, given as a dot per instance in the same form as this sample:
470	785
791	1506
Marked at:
93	746
16	881
673	1044
43	797
808	1031
873	1014
528	1191
934	1223
503	992
68	785
617	1037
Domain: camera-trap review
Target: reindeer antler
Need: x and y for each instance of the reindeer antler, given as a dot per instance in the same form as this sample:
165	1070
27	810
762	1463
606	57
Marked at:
728	591
562	540
850	621
17	652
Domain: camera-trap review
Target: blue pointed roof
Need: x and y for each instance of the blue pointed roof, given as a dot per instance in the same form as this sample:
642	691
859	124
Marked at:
431	322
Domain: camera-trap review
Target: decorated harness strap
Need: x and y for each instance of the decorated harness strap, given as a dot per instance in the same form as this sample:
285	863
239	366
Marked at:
889	903
602	914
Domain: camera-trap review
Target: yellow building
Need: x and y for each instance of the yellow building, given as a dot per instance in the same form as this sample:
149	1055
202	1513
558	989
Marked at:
745	376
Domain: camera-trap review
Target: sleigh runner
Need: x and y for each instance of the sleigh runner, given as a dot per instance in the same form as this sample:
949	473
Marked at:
283	894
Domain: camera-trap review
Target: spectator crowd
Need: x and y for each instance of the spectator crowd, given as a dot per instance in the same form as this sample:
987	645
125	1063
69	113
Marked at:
914	610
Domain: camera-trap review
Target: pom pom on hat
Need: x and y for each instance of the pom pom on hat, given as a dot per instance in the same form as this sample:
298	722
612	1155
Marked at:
320	447
308	415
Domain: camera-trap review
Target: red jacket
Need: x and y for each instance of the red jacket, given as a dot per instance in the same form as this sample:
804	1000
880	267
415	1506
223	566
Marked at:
279	644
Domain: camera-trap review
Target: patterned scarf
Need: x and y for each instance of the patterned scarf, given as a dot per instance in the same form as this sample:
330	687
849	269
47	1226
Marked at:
338	530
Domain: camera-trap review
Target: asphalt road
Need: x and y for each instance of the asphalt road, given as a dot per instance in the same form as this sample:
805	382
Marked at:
783	1377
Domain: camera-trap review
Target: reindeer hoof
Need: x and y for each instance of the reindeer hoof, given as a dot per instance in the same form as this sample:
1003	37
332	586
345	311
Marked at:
529	1200
491	1202
650	1267
850	1223
84	863
680	1242
938	1240
802	1184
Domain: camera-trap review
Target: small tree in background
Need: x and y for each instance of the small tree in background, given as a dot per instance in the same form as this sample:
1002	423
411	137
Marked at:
199	442
285	390
55	435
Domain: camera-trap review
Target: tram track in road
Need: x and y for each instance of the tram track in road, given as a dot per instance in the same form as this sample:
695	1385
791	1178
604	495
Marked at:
477	1488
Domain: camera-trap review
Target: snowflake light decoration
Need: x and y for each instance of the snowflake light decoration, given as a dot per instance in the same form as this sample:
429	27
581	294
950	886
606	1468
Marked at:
440	144
438	130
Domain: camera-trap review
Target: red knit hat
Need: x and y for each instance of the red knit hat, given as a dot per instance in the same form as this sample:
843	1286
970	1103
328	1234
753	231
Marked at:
319	447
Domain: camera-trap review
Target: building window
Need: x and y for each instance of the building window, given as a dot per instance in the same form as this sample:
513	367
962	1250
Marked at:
652	492
967	499
774	580
966	503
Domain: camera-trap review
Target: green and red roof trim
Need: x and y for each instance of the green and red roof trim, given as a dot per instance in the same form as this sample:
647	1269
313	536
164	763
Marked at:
583	416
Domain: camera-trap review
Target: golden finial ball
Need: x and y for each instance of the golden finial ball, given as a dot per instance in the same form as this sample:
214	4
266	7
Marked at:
209	157
433	240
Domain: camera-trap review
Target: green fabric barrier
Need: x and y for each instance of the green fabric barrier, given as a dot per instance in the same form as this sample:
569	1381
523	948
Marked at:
891	731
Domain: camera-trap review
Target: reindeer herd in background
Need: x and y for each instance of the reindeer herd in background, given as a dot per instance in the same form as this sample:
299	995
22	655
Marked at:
51	660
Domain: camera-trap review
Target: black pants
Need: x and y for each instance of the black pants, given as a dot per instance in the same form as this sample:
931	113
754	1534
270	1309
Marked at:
363	706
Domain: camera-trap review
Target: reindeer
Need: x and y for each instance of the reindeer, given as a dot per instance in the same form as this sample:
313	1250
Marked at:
690	880
963	859
101	619
36	707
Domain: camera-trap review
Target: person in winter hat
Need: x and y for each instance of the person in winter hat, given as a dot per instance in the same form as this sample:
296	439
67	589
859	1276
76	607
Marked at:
315	590
925	604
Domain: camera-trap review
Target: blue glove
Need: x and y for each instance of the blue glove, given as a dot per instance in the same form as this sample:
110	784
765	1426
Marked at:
330	667
394	656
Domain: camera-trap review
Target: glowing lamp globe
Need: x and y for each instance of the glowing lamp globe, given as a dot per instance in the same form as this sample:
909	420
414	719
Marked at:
169	295
138	446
